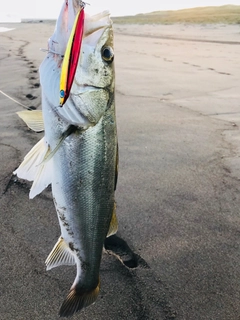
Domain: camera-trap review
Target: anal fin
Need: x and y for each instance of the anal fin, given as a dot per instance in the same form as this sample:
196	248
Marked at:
113	227
60	255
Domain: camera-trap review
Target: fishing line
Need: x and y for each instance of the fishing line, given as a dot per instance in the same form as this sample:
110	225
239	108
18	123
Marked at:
6	95
83	4
52	51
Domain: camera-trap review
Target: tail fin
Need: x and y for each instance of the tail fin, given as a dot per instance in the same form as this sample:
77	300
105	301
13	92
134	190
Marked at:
76	301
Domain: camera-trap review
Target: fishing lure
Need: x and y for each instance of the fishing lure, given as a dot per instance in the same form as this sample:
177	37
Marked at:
71	56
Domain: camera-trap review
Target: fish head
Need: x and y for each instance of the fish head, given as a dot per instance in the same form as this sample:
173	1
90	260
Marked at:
93	85
96	60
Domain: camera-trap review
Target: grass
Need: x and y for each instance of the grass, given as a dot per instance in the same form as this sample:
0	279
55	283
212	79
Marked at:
228	14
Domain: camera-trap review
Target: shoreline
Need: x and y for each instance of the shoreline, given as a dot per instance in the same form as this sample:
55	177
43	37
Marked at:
178	193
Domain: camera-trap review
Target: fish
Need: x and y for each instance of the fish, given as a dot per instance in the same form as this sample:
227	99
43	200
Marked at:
78	155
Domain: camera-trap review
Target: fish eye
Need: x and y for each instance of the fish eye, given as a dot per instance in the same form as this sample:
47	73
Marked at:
107	54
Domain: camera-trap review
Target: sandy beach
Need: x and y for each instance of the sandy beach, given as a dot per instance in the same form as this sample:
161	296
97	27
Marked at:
178	199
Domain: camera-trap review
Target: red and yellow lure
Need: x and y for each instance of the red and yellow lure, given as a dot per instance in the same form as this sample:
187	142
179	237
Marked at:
71	56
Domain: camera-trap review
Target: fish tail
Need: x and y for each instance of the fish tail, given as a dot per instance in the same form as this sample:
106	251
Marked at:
76	301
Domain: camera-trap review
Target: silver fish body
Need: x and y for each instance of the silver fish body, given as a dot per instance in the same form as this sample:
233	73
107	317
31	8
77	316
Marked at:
85	164
78	154
83	192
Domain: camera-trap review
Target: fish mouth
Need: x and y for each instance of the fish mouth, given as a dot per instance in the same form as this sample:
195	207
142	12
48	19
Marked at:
83	88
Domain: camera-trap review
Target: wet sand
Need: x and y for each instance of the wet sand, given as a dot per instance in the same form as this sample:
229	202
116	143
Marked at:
178	113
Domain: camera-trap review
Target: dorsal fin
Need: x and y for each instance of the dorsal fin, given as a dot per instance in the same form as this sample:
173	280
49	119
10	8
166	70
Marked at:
113	227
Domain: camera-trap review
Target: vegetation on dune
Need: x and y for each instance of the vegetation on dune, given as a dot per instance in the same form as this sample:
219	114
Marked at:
228	14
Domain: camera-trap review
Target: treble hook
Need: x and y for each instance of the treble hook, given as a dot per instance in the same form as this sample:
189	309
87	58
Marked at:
83	4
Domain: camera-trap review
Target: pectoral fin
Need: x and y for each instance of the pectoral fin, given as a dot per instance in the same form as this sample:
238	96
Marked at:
71	129
33	119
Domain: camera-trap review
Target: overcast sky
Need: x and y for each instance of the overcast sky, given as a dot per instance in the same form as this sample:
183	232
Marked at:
50	8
